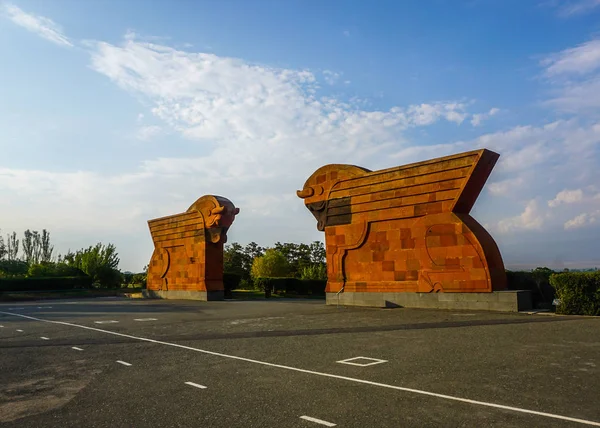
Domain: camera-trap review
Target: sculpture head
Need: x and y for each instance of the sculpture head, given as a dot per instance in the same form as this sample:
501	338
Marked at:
218	214
318	186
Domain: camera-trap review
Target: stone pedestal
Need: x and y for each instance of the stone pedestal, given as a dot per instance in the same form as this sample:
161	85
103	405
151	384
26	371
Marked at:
184	295
502	301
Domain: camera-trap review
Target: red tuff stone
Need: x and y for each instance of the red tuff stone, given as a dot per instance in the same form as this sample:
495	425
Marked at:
411	220
188	247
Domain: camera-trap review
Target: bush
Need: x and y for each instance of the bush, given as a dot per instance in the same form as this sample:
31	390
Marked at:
49	269
10	268
45	284
107	277
578	293
291	286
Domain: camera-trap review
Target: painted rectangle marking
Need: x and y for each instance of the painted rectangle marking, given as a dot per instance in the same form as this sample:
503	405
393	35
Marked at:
145	319
44	338
124	363
20	331
318	421
76	348
354	362
106	322
196	385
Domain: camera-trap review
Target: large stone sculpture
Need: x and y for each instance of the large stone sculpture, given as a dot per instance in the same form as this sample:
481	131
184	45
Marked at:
408	228
187	262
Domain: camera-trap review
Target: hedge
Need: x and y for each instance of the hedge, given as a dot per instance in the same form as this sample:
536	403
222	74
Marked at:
231	281
45	284
291	286
578	293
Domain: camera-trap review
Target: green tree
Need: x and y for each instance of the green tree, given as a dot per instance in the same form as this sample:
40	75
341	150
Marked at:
541	277
12	246
317	252
235	260
297	255
272	264
238	260
315	271
253	250
45	247
3	250
28	246
100	262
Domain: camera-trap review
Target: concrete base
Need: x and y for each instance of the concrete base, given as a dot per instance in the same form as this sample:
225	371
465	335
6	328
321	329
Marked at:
184	295
502	301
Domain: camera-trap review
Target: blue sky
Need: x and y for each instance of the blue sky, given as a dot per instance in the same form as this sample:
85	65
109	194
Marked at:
113	113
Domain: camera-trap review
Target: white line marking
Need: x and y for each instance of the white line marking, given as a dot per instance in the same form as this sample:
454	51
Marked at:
195	384
15	309
76	348
318	421
44	338
106	322
145	319
373	361
20	331
44	307
1	326
123	362
329	375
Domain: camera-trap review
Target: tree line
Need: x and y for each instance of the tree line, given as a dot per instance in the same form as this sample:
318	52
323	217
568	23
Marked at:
303	261
38	260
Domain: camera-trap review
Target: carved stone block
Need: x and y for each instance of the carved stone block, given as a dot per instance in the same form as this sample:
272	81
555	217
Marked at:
406	228
188	250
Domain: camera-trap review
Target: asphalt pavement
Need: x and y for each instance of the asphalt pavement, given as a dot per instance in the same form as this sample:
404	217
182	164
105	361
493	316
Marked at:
292	363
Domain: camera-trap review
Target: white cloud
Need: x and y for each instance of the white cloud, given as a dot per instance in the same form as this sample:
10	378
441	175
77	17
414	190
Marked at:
477	119
259	117
42	26
581	59
530	219
505	187
574	75
331	77
576	222
566	197
577	7
582	220
426	114
148	132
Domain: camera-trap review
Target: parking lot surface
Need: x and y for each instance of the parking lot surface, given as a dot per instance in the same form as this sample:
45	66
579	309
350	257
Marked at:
292	363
